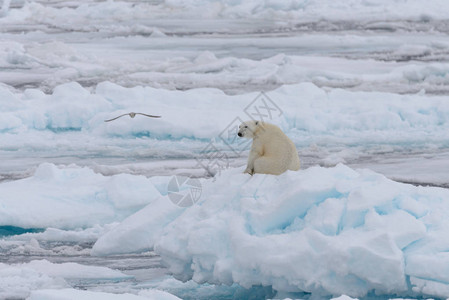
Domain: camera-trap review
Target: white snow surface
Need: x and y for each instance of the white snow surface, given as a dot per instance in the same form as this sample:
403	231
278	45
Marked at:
328	231
305	9
288	9
18	280
398	46
333	125
72	198
73	294
71	119
356	81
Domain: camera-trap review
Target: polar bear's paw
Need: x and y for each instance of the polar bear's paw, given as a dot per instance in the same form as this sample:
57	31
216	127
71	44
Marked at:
249	171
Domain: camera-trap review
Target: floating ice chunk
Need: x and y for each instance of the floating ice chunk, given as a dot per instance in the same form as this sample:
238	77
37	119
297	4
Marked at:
326	231
412	51
139	232
54	234
157	295
86	16
205	57
19	280
344	297
74	270
156	32
72	118
72	197
72	294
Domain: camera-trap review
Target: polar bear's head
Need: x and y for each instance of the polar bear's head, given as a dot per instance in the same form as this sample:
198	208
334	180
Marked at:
248	129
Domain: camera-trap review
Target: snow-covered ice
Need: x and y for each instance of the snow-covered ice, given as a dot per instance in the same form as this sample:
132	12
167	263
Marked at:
72	198
327	231
236	46
360	86
18	280
73	294
69	124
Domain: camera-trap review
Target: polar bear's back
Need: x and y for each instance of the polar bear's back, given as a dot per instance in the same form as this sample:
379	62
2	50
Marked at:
279	147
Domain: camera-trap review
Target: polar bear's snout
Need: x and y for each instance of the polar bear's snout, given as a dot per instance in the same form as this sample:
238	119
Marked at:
245	131
241	132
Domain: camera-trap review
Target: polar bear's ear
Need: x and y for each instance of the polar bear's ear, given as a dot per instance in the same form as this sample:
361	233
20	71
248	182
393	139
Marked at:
257	122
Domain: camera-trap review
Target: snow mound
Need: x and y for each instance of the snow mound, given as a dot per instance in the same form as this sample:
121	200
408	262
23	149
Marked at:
72	294
72	197
19	280
121	11
328	231
72	117
138	232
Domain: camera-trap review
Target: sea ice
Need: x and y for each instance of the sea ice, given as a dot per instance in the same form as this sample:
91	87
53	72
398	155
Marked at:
71	198
348	85
68	126
18	280
73	294
328	231
76	116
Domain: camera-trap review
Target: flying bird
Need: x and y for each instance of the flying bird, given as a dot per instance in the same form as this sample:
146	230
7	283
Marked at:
132	115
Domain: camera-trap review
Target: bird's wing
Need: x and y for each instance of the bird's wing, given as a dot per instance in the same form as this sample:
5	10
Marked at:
151	116
116	118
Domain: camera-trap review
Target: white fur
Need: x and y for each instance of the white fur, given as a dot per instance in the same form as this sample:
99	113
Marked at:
272	152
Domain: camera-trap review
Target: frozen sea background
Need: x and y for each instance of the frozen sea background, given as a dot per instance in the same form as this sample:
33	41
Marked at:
359	83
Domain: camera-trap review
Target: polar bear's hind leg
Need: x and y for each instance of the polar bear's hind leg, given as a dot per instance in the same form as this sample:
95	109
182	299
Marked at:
295	164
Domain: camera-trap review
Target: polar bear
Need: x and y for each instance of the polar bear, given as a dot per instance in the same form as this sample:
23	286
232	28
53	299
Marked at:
272	152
